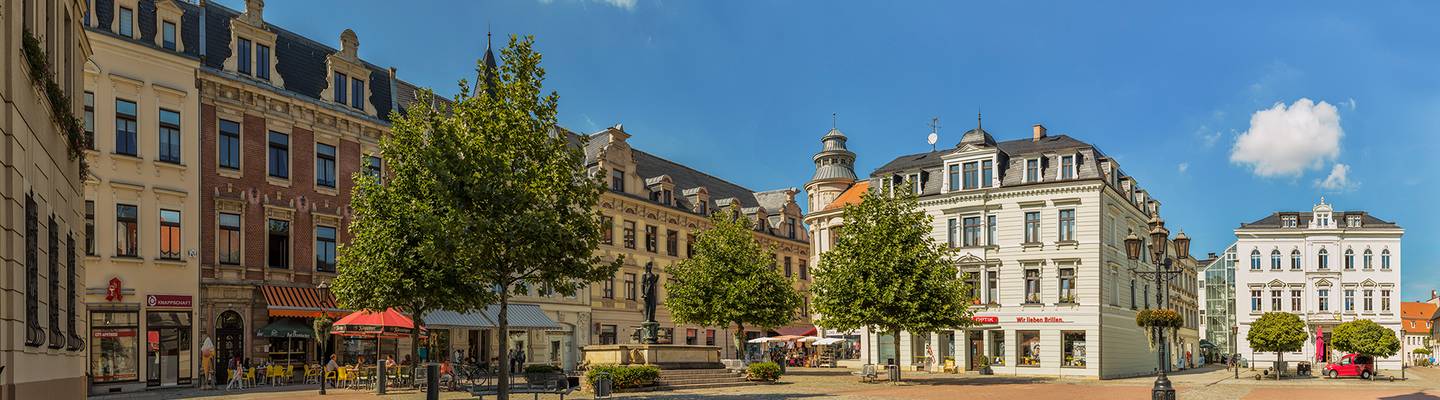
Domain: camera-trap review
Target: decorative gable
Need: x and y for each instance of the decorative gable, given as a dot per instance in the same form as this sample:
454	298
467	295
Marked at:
166	12
253	46
348	77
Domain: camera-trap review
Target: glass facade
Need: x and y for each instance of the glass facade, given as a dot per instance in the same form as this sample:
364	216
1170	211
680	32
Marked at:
1220	302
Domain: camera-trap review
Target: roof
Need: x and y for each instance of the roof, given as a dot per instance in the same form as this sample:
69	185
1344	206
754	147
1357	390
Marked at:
1275	220
1012	148
521	316
850	196
1416	316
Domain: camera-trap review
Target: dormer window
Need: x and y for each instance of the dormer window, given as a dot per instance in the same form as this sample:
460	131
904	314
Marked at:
167	35
972	175
915	185
341	83
1032	170
262	61
790	227
357	94
127	22
1067	167
1289	221
242	56
987	173
617	180
1352	221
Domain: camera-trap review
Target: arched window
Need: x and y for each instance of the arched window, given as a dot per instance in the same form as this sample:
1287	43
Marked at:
1324	259
1294	259
1349	259
1385	259
1274	259
1255	260
1365	259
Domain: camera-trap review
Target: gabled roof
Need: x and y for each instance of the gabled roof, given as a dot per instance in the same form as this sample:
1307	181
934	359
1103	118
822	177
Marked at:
1012	148
1275	220
1420	313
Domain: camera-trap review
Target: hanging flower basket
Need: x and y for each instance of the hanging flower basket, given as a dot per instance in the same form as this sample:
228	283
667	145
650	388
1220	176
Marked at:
1163	318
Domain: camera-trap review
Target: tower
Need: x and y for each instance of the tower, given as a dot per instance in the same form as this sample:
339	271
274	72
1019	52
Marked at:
834	170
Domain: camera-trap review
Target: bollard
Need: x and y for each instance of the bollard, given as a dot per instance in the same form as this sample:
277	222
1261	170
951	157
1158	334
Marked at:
432	381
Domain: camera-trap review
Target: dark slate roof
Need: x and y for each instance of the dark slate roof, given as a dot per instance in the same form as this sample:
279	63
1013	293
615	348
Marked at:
145	18
1012	148
1275	220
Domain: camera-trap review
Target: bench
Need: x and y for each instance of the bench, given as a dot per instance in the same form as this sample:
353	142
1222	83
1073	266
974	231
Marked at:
554	383
866	373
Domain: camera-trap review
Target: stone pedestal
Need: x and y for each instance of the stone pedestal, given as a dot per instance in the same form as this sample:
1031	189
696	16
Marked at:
665	356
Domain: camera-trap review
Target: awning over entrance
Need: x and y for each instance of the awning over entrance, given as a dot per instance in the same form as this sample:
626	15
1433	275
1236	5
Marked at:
522	316
303	302
286	328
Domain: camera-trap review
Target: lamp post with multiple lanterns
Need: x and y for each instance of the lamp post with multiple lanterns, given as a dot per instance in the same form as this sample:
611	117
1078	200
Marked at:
1164	271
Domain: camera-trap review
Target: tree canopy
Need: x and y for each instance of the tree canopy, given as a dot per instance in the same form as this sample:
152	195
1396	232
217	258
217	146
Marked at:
886	271
1363	336
1277	332
730	281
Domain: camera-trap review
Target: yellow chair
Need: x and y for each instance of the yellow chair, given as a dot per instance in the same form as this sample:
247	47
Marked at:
312	373
343	375
249	377
949	366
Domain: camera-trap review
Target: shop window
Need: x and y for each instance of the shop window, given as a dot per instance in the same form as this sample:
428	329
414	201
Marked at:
997	348
1073	345
229	240
114	346
127	231
167	343
170	243
1028	348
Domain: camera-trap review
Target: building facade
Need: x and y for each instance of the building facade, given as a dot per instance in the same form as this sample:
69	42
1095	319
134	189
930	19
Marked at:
652	213
1039	225
1217	323
1325	266
43	328
142	209
1417	320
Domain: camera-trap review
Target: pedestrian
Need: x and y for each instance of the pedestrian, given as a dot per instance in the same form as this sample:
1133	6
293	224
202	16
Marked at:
237	379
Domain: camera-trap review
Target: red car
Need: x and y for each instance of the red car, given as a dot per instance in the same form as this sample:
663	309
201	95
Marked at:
1351	365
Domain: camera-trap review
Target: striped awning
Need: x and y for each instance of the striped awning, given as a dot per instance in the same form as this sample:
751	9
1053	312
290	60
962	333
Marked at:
303	302
521	316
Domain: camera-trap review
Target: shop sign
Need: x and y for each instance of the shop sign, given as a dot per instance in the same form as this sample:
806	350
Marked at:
167	300
1039	320
985	319
112	291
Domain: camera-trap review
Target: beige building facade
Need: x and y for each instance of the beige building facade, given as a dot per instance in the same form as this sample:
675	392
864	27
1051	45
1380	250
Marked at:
142	209
42	321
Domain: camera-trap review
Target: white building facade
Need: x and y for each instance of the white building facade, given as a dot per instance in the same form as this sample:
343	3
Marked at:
1327	267
1039	225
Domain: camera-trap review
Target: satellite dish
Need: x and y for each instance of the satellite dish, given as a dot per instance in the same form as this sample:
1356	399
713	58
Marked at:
932	138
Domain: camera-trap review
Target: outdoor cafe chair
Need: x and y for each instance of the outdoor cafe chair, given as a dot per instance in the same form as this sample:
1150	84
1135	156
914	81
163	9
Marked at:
312	373
249	378
289	374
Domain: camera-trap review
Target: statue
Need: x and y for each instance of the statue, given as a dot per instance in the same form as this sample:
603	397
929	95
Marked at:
649	289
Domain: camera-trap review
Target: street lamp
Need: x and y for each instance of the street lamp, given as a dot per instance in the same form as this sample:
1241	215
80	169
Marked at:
1164	271
324	287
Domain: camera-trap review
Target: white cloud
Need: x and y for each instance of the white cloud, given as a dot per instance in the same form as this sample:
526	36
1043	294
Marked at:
1208	137
627	5
1286	141
1338	180
1184	166
1350	102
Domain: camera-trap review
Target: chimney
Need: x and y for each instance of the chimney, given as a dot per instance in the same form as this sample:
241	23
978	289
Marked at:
1210	256
1039	132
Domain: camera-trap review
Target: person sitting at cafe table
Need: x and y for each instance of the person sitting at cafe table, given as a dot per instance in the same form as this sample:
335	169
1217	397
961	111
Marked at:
329	367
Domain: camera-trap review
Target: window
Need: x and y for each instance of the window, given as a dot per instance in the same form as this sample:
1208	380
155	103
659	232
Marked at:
1385	259
607	334
1349	259
804	271
89	227
1295	259
1073	348
608	288
1323	297
789	222
1067	225
1032	286
325	165
987	171
85	15
1028	348
325	248
954	177
357	94
1032	170
788	271
229	144
951	232
167	35
1067	285
1032	227
262	61
709	337
1295	300
169	136
34	334
1274	260
1132	294
692	336
127	19
607	230
672	242
115	336
1384	300
170	242
1365	259
127	231
972	231
1254	260
651	242
617	180
125	128
1289	221
90	120
972	175
1324	259
279	155
1067	167
1368	299
278	244
629	234
1349	300
992	287
1255	300
629	286
242	56
690	245
990	233
229	240
1275	301
339	85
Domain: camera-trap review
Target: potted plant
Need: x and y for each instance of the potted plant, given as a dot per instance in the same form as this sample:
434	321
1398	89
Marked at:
985	366
539	372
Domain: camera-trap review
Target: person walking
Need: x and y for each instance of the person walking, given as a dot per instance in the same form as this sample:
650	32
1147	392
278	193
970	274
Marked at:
237	378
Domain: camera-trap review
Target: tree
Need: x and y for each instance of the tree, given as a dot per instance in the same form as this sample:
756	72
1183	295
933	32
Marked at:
1277	332
509	199
730	280
886	271
1365	337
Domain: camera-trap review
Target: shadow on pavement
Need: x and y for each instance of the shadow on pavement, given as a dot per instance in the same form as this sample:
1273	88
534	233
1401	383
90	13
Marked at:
767	396
1411	396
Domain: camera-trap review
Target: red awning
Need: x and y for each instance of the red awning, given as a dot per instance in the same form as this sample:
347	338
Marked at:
799	330
303	302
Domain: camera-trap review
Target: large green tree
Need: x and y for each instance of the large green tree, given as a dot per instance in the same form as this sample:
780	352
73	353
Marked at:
1277	332
1365	337
730	281
886	271
511	201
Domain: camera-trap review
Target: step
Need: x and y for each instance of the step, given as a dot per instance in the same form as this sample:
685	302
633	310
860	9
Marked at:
692	387
698	380
694	371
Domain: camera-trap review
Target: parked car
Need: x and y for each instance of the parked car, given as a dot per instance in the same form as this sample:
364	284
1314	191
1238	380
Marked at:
1351	365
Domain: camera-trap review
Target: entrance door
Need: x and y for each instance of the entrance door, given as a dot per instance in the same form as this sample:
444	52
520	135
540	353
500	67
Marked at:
229	343
976	352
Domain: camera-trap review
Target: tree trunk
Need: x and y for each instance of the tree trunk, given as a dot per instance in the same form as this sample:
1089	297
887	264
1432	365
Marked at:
740	342
415	341
897	355
502	391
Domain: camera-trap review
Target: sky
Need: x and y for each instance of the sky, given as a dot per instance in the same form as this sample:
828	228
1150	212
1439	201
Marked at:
1224	112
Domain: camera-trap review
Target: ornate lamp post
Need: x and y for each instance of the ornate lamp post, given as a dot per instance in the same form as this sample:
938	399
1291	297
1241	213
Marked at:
1164	271
324	287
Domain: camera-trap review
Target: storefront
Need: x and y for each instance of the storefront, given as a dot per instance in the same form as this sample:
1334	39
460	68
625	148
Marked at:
539	338
115	348
169	358
140	341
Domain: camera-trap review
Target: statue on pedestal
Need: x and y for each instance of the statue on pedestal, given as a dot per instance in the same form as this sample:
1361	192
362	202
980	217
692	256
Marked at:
650	290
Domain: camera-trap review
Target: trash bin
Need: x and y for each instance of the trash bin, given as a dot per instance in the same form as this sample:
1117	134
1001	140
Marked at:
604	385
894	372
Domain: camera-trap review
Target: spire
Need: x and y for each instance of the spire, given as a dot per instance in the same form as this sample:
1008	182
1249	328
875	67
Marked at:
488	75
834	161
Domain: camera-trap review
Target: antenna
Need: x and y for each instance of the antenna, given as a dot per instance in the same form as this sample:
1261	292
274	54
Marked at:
833	120
934	132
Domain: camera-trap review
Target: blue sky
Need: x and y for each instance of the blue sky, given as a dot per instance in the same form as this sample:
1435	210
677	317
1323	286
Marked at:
744	89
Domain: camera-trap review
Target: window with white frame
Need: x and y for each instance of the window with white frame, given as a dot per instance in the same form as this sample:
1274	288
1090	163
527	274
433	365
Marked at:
1032	227
1067	167
1322	297
1067	225
950	232
990	227
1274	260
1254	260
1295	259
1255	300
987	173
1032	170
954	176
972	231
1385	259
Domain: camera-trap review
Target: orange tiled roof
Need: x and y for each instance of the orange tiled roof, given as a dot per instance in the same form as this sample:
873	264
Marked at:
1415	316
851	196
